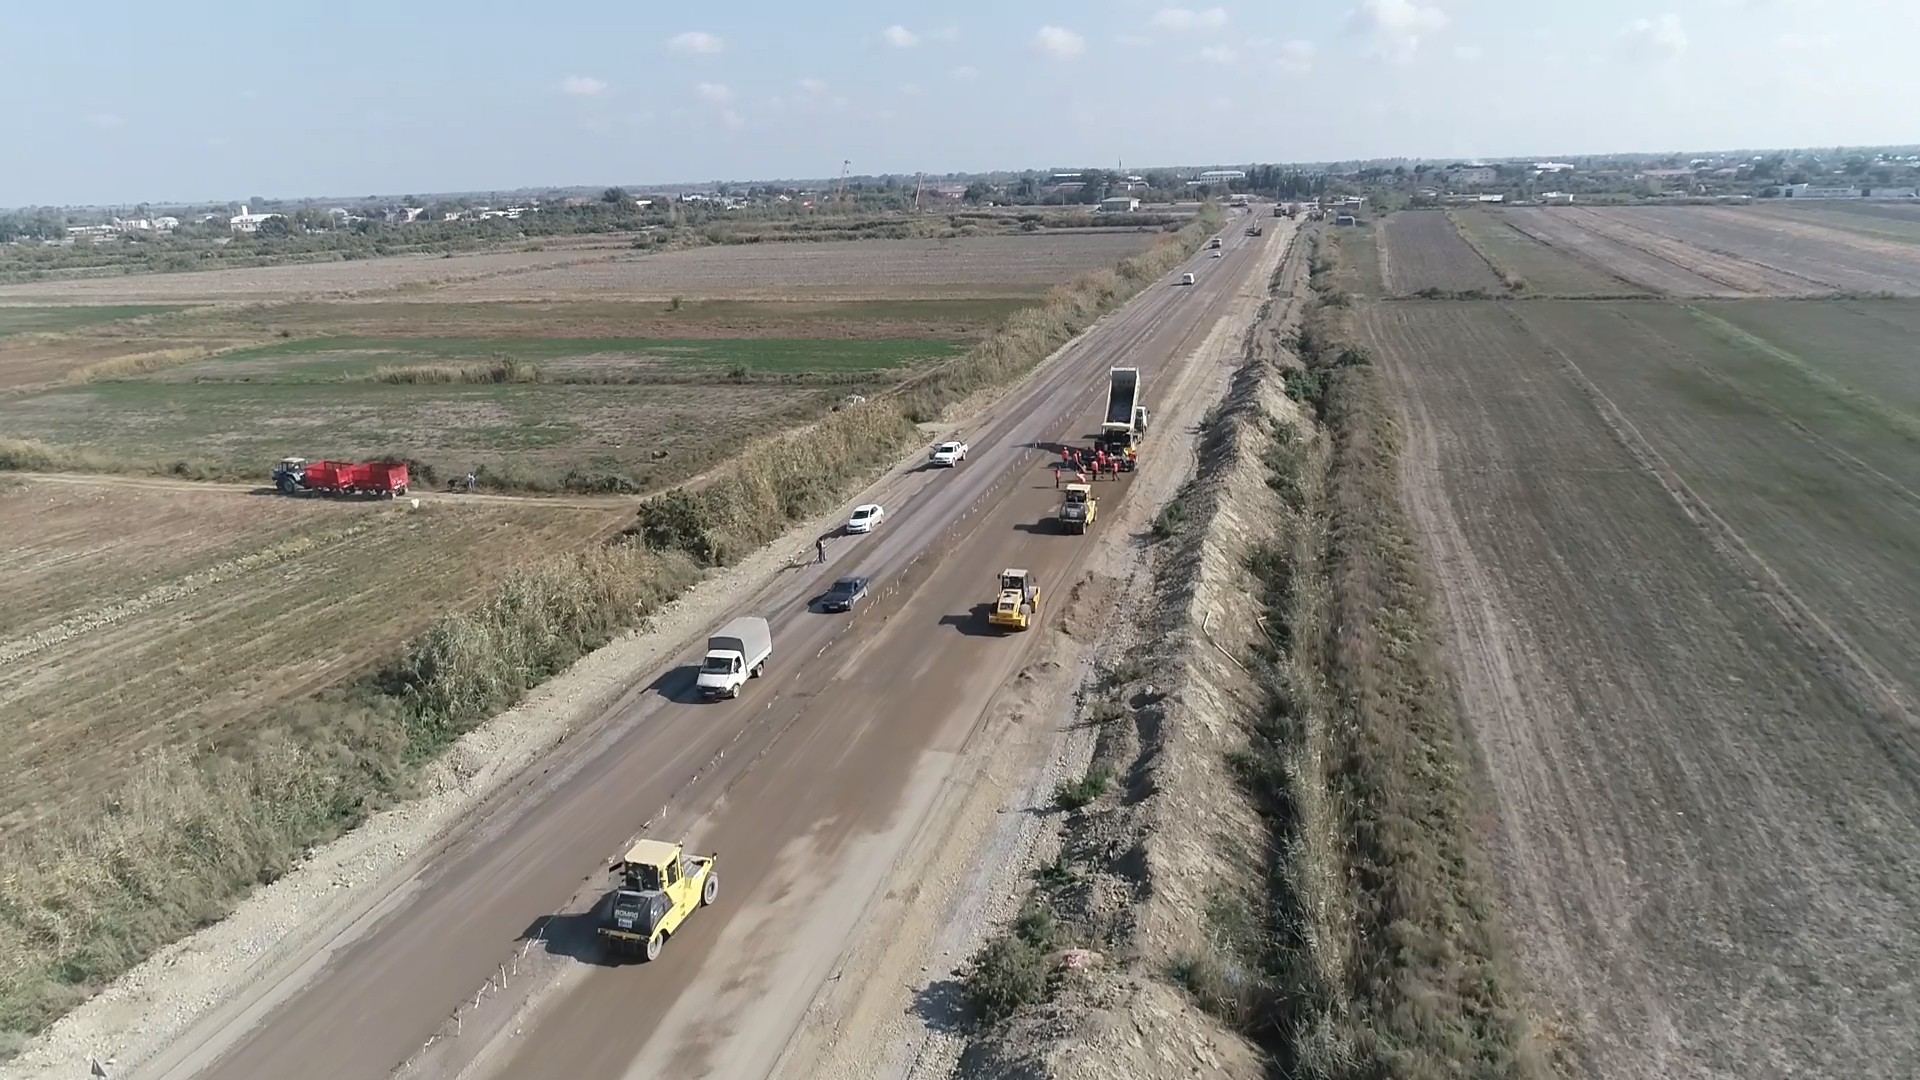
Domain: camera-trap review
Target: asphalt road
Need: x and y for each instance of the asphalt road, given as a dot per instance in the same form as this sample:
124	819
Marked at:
807	785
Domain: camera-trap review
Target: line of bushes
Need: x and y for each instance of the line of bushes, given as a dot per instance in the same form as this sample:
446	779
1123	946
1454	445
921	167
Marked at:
85	897
768	487
1383	958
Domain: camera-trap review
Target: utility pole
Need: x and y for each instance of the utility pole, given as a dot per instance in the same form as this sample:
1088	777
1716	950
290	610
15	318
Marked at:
840	191
917	177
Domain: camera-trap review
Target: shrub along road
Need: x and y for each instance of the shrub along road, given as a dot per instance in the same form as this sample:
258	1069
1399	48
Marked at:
807	785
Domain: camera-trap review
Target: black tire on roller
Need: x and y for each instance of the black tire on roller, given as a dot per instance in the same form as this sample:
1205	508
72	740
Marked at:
711	890
651	951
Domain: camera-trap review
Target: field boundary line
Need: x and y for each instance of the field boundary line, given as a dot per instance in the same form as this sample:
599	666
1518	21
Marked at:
1642	289
1854	671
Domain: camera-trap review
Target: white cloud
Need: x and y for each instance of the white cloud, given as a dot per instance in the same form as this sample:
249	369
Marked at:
733	121
813	87
1220	54
1060	42
908	89
1296	57
965	73
1395	27
696	41
1468	53
900	37
1663	37
583	86
106	120
718	93
1176	18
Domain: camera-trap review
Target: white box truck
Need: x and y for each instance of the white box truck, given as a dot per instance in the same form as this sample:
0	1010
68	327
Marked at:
736	652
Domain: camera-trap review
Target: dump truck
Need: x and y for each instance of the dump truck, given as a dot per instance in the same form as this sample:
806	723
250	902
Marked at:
736	652
658	886
1078	508
1126	418
1018	603
295	475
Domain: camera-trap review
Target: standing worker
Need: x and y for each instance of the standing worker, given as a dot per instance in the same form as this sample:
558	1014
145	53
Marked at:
820	550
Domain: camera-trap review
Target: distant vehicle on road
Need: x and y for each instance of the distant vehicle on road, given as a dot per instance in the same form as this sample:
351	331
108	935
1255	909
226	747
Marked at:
1214	243
866	518
1218	254
844	594
1186	279
948	454
1018	603
737	652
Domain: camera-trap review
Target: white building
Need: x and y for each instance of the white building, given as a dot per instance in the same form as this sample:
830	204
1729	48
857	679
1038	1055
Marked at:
1472	175
90	233
1809	191
1119	205
246	222
1220	176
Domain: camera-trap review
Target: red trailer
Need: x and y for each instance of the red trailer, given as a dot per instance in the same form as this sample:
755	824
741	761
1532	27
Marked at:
342	477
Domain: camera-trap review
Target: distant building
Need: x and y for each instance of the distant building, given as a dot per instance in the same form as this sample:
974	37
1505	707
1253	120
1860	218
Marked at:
1809	191
1893	193
1119	205
1472	175
1557	198
246	221
91	233
1552	167
1221	176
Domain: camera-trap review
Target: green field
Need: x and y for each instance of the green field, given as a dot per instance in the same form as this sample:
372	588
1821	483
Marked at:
55	320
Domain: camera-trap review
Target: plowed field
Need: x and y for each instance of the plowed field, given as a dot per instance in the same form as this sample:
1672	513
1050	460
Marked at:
138	619
1681	568
1422	251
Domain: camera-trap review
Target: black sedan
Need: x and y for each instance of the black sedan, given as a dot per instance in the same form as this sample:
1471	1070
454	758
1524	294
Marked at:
845	593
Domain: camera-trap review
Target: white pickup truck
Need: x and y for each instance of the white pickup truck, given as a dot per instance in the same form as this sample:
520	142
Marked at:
736	652
948	454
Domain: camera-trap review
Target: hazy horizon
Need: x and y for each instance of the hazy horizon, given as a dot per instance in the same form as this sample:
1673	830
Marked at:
222	102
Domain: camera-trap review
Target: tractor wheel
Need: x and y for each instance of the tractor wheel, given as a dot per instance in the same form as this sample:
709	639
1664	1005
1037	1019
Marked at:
652	951
711	890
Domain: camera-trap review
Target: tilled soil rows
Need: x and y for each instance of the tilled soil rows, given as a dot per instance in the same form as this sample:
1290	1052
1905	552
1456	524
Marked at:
1682	639
1425	252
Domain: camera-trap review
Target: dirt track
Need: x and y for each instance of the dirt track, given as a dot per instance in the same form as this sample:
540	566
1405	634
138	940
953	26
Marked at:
1704	815
814	776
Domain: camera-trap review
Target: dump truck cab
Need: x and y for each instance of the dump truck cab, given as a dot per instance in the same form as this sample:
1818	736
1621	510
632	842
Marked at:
1077	508
658	886
1018	602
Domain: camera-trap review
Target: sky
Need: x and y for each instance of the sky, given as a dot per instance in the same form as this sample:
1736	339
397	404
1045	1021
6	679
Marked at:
117	103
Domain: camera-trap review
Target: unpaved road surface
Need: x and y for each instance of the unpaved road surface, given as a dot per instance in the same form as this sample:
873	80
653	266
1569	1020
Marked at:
807	786
1704	777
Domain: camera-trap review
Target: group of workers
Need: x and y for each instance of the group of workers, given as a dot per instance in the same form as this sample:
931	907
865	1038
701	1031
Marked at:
1092	463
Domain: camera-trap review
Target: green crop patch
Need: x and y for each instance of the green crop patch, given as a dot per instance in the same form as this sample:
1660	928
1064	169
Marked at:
54	320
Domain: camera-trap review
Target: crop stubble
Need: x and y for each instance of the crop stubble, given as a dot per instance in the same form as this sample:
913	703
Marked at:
1704	835
1425	252
140	621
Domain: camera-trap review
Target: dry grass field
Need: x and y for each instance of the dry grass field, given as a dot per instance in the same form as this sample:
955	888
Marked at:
141	620
980	266
1679	548
302	280
1421	251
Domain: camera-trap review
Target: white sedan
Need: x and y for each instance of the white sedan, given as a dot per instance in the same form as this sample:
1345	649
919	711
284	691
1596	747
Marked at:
866	518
